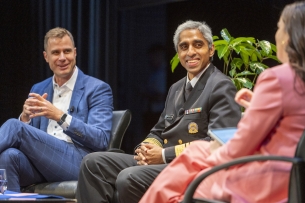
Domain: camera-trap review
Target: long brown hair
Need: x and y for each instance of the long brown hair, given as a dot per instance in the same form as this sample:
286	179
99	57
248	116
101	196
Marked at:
293	17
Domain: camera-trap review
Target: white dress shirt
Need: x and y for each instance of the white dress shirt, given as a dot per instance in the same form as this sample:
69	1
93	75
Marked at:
61	100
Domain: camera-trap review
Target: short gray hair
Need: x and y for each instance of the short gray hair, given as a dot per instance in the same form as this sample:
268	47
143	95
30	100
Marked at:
189	25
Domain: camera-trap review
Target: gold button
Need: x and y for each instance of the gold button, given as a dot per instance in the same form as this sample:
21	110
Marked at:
165	141
180	141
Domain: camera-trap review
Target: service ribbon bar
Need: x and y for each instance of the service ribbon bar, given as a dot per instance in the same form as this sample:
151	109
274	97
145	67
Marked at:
190	111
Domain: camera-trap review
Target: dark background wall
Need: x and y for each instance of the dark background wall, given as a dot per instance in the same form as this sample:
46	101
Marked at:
114	40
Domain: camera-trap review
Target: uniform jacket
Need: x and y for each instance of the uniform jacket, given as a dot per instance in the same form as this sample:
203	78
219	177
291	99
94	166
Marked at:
91	111
210	105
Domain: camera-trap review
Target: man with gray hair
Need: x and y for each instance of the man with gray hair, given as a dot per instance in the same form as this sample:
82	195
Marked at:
64	118
201	100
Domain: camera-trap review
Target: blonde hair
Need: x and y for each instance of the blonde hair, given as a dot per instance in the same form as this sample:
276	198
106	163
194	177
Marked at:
57	32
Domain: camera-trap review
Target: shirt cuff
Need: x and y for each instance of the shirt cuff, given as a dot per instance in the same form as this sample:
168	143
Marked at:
27	122
67	122
163	156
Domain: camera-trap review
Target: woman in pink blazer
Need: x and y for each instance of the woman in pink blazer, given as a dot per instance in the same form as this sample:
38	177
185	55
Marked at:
272	125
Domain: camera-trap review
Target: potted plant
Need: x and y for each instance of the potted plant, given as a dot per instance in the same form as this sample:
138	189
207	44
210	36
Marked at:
243	57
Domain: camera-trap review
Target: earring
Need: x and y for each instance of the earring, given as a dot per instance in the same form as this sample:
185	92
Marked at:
283	42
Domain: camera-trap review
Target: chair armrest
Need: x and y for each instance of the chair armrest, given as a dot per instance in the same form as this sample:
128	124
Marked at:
194	184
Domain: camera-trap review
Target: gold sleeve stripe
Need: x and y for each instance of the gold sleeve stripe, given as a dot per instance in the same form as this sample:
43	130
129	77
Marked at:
179	148
153	141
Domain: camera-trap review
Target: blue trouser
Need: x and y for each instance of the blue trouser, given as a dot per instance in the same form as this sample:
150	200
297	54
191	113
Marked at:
30	156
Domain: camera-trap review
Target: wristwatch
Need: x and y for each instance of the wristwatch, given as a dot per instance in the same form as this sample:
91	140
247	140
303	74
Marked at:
62	119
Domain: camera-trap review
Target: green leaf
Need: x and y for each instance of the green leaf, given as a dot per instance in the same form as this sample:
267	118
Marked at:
253	56
248	45
232	72
274	58
239	40
258	54
244	73
225	34
245	82
273	47
244	55
266	46
263	53
219	48
222	52
174	62
244	50
257	67
226	57
215	37
237	84
237	63
244	44
237	49
220	43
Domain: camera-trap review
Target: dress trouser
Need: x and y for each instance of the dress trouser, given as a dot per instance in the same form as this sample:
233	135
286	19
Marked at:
104	172
30	156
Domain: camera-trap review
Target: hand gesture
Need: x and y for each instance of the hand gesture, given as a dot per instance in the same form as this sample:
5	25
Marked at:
243	97
148	154
37	105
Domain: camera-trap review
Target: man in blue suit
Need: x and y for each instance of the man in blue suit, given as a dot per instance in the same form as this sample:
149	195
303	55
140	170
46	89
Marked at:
64	118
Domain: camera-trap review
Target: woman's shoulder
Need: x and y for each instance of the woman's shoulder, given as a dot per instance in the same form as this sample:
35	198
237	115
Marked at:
283	71
282	68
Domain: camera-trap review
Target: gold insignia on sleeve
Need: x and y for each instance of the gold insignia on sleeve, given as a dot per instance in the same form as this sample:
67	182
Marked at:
180	141
165	141
180	148
153	141
193	128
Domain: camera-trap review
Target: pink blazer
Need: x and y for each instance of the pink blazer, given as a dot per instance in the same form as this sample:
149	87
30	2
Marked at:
272	125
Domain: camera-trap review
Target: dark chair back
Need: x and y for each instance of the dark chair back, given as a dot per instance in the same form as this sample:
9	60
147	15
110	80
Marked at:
297	175
120	123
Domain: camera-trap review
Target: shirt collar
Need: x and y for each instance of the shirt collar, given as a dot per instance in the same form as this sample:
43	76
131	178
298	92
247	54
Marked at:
196	78
71	82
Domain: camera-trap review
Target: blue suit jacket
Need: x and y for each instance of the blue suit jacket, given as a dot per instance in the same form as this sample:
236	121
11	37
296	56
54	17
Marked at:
91	102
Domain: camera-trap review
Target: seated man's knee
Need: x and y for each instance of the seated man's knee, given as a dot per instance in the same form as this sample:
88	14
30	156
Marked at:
126	179
130	184
10	126
122	179
12	122
10	155
90	161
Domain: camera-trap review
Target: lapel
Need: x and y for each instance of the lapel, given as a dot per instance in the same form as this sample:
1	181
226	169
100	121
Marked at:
196	92
180	104
78	92
44	121
75	99
179	97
